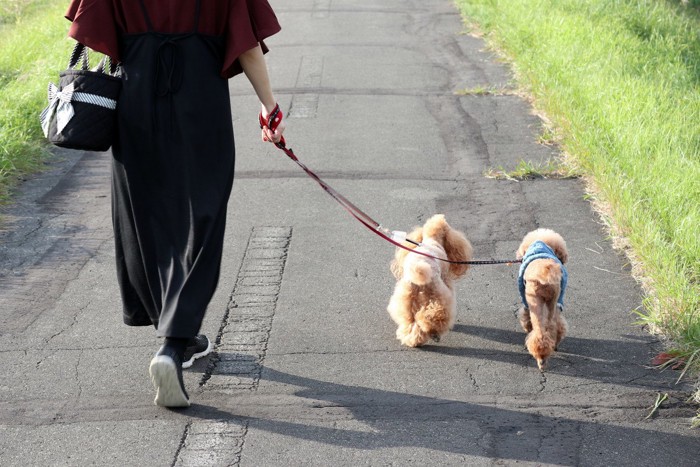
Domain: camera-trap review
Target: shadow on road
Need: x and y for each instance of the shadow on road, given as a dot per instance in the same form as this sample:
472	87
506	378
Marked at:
389	419
613	362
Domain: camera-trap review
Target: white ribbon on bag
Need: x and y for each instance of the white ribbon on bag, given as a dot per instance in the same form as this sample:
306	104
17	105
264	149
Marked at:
60	104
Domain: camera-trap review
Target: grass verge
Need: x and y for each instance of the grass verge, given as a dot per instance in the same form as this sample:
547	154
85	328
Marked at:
620	79
33	49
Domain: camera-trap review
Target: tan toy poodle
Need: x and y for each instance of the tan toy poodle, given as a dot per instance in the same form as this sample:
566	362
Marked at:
542	282
423	304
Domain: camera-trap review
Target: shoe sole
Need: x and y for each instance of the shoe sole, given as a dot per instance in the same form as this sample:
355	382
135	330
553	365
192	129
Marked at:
169	393
201	354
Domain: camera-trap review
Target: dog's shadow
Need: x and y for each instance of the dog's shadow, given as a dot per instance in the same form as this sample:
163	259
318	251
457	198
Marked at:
625	361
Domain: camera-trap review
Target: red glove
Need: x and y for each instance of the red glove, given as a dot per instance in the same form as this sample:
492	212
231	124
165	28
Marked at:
273	121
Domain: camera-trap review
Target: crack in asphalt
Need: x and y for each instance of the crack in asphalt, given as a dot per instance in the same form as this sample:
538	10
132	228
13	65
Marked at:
77	375
472	378
44	358
181	445
543	382
66	328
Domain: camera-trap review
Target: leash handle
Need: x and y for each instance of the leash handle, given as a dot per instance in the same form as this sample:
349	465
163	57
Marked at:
272	121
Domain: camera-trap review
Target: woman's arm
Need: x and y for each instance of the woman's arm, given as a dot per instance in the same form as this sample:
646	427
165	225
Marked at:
255	69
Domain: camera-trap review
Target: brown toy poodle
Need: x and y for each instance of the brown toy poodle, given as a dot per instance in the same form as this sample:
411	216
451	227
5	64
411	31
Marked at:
542	282
423	304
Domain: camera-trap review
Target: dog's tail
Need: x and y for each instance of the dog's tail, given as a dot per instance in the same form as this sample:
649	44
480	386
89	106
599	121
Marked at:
421	273
550	273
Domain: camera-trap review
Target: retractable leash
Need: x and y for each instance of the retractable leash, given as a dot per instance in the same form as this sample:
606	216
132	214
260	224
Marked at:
394	237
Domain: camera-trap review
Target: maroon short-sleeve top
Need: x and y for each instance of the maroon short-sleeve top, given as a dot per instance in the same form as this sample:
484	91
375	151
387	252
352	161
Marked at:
243	23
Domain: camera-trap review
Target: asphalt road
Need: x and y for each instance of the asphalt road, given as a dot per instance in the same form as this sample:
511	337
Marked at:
307	370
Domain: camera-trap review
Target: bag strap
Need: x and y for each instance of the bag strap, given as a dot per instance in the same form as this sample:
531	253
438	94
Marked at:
79	53
108	67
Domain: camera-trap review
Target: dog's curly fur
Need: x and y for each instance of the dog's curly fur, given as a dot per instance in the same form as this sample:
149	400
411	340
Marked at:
543	321
423	304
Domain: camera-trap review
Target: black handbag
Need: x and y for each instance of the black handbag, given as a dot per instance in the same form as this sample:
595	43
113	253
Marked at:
82	109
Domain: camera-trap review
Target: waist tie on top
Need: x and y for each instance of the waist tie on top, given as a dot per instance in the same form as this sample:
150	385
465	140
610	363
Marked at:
169	67
169	70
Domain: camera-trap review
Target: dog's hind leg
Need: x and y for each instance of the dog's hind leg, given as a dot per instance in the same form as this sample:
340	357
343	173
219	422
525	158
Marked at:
562	328
524	317
400	304
400	309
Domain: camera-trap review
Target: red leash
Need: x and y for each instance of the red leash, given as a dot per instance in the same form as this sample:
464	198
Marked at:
394	237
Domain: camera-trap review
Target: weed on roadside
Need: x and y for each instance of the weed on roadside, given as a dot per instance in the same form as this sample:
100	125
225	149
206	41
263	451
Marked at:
527	170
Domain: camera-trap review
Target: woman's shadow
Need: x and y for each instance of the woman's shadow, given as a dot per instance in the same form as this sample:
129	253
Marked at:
356	417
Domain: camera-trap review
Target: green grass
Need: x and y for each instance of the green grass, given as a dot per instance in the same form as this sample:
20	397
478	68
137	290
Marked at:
33	49
620	79
11	10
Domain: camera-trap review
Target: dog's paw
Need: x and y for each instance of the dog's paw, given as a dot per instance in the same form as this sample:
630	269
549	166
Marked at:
412	341
414	337
403	332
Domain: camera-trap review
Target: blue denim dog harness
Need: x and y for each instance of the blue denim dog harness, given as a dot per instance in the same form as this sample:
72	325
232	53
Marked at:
540	250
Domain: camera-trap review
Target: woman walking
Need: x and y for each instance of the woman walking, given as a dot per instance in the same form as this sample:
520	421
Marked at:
173	161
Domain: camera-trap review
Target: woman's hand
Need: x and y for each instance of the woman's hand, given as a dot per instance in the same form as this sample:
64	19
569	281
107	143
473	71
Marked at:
273	134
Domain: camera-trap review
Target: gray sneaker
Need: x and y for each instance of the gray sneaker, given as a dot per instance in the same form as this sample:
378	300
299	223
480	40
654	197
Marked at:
199	346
